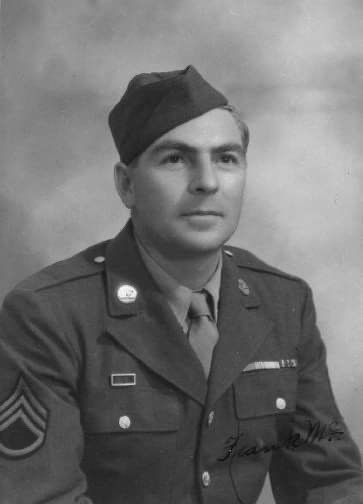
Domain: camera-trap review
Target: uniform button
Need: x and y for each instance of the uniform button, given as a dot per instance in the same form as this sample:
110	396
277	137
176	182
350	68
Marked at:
124	422
99	259
206	479
210	418
280	403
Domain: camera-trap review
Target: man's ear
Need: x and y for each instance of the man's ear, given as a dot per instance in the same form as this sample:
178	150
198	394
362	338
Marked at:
124	184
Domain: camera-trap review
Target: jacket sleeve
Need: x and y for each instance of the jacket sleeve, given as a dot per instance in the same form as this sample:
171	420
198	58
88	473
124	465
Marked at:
321	464
41	440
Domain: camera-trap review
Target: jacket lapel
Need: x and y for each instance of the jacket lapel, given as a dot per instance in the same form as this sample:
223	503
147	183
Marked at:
242	329
146	327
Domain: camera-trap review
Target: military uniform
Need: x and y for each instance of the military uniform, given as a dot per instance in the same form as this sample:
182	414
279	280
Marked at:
102	399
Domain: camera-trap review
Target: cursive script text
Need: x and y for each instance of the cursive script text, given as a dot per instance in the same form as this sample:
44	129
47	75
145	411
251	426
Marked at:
315	433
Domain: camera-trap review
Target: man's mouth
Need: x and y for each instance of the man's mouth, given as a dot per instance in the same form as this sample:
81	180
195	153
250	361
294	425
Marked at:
202	213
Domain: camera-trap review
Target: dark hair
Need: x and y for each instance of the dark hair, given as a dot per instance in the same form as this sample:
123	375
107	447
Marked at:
245	133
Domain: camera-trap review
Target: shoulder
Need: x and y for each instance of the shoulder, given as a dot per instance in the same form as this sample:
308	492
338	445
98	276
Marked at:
82	265
278	291
61	290
258	272
245	259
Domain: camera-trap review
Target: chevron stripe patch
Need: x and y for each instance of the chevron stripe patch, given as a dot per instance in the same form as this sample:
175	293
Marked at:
23	422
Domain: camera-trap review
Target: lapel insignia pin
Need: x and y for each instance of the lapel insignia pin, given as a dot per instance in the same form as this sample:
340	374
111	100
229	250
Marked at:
127	294
243	287
123	379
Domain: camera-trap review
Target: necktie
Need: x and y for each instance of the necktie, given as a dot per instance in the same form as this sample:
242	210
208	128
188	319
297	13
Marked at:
203	333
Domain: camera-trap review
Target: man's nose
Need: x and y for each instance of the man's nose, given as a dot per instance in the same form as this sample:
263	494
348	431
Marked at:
204	176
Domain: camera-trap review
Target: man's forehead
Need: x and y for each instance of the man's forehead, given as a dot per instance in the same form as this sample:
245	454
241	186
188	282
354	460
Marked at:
210	130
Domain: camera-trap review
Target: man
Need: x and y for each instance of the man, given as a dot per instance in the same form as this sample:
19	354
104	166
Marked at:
162	366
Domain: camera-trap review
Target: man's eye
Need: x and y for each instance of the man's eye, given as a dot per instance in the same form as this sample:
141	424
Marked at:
228	158
172	159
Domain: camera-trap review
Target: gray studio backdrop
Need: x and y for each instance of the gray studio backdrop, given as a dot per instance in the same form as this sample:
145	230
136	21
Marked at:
293	67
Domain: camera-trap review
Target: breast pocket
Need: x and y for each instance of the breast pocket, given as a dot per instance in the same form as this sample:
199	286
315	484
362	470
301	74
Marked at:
130	447
265	401
263	393
132	409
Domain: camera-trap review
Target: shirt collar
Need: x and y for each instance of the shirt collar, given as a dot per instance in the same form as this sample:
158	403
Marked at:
177	295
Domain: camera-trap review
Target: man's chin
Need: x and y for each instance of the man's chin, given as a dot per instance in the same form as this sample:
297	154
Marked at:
199	244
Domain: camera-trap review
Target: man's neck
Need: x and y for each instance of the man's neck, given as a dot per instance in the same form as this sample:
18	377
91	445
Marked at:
191	271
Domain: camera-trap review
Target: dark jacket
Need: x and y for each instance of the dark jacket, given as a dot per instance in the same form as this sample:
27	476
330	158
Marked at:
104	401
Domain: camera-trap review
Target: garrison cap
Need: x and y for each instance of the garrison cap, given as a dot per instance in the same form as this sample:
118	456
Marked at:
155	103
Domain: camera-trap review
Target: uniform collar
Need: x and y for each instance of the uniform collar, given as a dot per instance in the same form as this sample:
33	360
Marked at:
177	295
124	267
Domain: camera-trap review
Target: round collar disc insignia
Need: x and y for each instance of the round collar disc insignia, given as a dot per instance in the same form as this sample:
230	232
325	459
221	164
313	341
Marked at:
127	294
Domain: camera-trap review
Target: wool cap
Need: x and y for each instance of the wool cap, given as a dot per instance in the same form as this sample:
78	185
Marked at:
155	103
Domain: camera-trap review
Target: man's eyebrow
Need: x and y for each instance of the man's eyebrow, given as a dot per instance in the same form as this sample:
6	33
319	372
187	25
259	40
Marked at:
182	146
229	147
173	145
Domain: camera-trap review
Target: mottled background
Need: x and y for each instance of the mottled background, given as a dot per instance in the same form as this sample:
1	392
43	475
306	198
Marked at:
294	67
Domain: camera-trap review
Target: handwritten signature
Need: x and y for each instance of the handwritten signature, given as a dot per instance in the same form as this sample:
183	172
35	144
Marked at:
315	433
